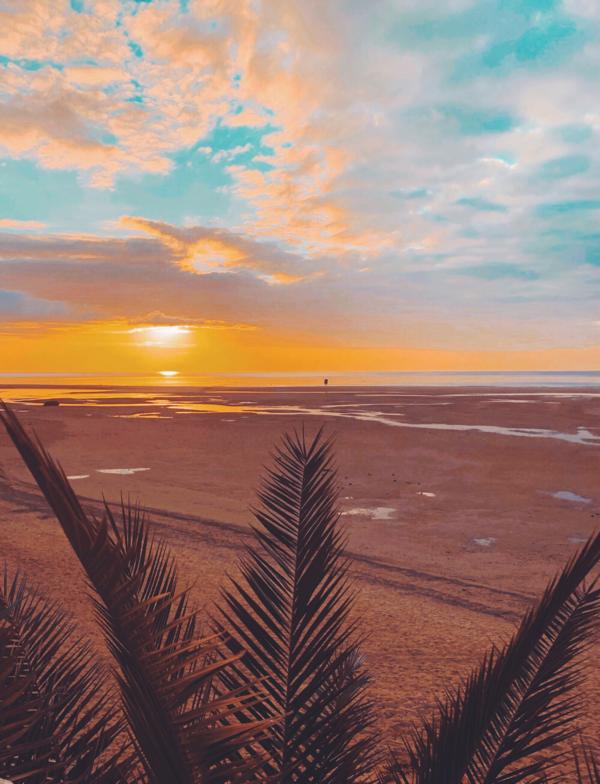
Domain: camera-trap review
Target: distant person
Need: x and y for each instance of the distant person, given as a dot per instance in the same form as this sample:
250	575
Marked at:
325	381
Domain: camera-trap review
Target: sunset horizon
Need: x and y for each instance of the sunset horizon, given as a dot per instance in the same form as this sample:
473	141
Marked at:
262	186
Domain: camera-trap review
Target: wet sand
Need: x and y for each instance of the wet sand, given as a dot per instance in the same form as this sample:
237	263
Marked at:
451	532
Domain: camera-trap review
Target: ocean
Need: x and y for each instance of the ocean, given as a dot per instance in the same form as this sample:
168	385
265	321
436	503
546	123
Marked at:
501	378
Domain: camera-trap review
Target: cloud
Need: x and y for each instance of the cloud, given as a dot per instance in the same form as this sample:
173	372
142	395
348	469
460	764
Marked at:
201	251
82	84
15	223
158	319
18	306
224	155
144	279
156	80
137	282
96	76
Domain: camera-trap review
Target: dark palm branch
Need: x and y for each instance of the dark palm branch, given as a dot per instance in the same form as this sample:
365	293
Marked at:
587	766
290	620
183	734
505	724
55	723
392	771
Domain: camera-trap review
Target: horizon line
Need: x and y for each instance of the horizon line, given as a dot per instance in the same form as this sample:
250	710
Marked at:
293	373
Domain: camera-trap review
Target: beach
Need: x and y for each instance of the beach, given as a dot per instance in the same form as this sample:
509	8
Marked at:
459	503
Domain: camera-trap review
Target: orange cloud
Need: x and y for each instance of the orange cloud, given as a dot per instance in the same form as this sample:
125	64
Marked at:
141	278
289	67
94	75
201	251
159	319
14	223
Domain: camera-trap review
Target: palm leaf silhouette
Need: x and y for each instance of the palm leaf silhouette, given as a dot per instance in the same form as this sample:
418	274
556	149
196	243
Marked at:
506	722
182	734
587	767
289	617
54	726
392	771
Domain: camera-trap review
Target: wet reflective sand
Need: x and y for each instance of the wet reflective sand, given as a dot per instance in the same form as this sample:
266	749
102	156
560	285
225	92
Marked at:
349	404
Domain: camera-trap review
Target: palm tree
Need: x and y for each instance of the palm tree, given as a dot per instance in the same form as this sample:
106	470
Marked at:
179	732
587	767
509	720
278	692
53	725
289	620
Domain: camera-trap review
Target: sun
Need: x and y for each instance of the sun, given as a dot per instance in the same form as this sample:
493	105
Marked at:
172	336
168	373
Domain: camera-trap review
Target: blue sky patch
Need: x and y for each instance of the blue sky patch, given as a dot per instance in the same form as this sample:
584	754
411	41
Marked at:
555	209
135	48
415	193
498	271
473	121
481	205
567	166
16	305
592	256
576	134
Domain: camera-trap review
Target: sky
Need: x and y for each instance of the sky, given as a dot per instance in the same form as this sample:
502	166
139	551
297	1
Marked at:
223	186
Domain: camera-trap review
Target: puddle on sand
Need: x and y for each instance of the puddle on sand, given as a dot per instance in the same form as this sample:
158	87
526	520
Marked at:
511	400
141	415
485	541
212	408
375	512
426	494
582	436
567	495
121	471
576	539
78	476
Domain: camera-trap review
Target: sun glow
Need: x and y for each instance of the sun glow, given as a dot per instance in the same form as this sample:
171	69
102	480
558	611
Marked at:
168	373
172	336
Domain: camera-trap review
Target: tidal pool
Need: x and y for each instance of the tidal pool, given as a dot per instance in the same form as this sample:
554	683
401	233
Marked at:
375	512
120	471
485	541
567	495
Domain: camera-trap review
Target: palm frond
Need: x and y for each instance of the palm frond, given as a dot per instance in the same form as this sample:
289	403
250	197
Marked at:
587	766
505	724
392	771
182	735
289	618
55	717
